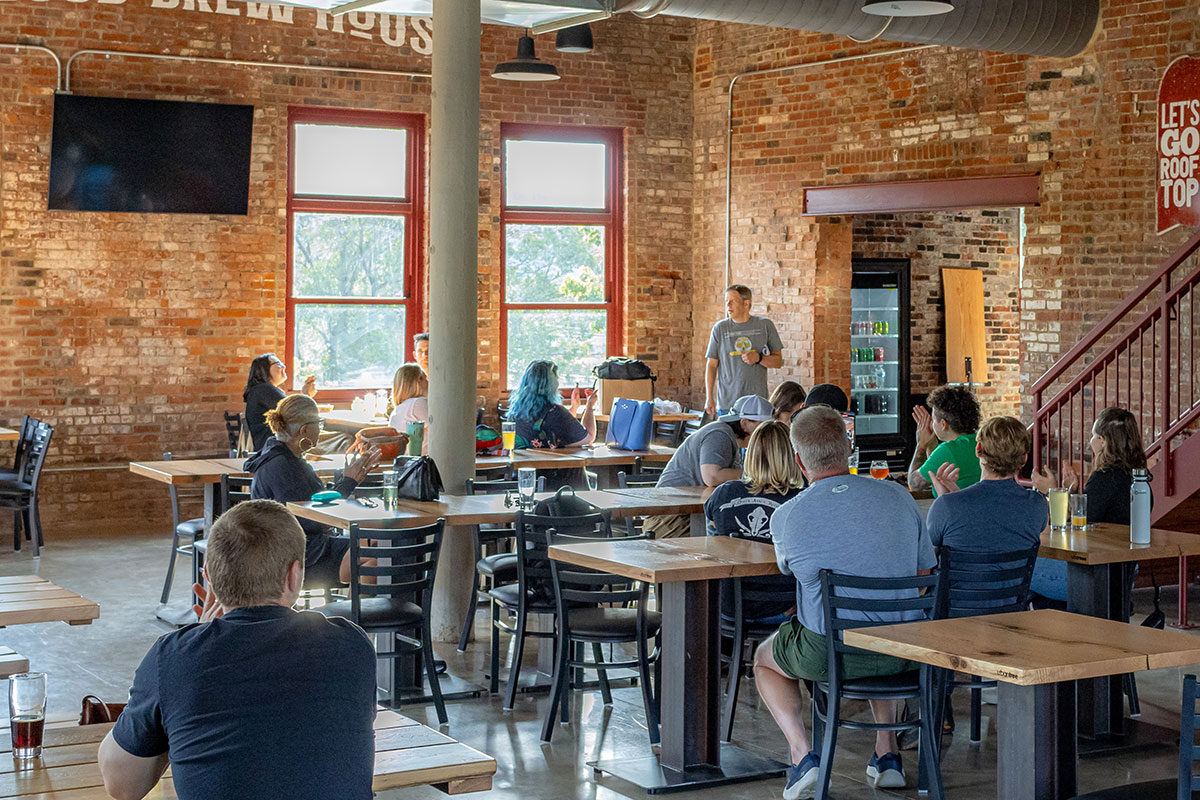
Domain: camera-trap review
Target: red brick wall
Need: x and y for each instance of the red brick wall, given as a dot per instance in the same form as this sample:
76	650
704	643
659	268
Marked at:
932	241
131	333
1087	124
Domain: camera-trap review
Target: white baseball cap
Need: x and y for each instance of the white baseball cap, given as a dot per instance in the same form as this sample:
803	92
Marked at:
753	407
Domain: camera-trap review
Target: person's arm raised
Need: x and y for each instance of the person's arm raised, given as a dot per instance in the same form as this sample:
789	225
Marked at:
588	421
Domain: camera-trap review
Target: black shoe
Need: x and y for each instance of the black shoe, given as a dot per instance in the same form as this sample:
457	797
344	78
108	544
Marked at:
439	666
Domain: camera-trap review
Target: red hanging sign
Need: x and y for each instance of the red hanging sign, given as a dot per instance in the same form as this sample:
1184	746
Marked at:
1178	200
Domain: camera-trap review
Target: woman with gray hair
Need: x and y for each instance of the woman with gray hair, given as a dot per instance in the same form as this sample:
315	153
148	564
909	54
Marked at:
281	474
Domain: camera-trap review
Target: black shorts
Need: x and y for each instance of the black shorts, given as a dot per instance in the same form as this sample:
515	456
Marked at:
323	556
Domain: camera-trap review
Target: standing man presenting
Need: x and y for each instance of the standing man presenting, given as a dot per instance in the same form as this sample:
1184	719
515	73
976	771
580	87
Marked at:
741	349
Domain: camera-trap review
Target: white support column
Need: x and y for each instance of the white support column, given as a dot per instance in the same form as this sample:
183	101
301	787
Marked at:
453	267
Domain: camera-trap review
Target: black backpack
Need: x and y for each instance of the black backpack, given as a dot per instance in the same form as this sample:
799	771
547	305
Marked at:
619	368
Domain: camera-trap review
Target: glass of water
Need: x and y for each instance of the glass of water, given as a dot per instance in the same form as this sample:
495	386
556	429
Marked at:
526	483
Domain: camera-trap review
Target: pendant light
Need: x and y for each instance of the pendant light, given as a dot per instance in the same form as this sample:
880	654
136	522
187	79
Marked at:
526	66
576	39
907	8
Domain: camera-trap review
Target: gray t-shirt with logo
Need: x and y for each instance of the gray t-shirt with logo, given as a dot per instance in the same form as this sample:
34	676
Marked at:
715	443
854	525
726	344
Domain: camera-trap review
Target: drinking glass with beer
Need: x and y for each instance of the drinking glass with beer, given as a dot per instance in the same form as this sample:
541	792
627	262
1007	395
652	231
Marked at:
1079	512
508	436
853	462
1058	508
879	469
27	713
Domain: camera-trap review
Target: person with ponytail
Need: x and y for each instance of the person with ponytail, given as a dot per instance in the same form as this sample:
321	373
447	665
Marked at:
281	473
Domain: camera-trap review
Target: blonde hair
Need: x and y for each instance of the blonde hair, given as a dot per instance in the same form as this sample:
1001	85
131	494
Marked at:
1003	445
250	550
290	415
819	437
409	382
770	461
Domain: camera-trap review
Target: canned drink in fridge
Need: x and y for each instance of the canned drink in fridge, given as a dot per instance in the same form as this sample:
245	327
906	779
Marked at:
878	354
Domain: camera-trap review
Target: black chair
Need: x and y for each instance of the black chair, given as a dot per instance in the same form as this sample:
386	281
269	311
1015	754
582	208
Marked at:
740	630
400	603
847	599
234	489
233	430
185	531
974	584
1182	787
633	525
21	494
495	562
668	433
25	432
533	593
693	425
596	608
646	472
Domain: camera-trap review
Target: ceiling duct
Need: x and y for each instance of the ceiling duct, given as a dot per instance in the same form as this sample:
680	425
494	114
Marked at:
1058	28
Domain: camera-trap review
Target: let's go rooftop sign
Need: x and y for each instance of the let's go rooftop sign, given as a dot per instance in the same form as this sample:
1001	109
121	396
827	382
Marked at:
1178	182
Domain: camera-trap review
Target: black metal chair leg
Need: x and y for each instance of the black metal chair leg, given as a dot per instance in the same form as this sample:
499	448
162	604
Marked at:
36	529
435	685
832	717
472	606
731	687
1131	691
518	651
494	680
976	714
17	514
605	689
929	745
648	701
166	592
557	685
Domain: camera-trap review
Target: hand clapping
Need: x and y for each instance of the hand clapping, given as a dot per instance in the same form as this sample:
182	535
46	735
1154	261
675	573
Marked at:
945	480
361	465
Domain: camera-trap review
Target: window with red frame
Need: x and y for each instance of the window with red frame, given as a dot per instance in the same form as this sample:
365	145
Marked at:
561	220
354	256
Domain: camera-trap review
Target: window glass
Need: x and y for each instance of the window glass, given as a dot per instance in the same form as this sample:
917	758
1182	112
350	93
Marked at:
348	161
555	174
347	346
554	263
347	255
575	340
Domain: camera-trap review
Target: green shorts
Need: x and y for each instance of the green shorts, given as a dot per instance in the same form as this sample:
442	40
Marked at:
803	655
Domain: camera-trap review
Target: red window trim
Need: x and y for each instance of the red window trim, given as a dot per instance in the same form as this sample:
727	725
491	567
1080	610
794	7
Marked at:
411	206
612	217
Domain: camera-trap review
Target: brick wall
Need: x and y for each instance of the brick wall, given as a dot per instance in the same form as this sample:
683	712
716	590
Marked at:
131	333
986	240
1086	124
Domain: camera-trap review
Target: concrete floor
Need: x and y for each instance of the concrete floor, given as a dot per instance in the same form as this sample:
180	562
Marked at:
124	575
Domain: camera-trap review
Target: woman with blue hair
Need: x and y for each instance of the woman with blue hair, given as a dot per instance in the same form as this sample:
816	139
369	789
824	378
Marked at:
537	409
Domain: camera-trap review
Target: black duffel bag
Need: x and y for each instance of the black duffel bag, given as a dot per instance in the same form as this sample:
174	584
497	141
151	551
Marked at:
619	368
417	478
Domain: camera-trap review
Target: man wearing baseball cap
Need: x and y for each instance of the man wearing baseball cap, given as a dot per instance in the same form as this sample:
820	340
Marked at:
709	457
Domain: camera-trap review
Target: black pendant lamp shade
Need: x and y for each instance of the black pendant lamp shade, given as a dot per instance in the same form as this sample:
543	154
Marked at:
907	8
576	39
526	66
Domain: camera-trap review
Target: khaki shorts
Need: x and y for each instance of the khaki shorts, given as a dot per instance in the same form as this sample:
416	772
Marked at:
668	526
803	655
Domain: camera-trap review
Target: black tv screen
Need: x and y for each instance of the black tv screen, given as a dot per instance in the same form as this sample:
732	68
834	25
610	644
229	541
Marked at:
149	156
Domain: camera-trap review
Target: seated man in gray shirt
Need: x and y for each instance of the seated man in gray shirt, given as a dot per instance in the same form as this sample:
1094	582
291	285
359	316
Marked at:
854	525
709	457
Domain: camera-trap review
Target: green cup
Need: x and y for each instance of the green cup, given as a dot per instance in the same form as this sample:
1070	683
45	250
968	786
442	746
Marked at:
416	433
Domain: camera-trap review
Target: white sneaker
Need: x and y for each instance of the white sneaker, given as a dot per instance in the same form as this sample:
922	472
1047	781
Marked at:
888	771
802	778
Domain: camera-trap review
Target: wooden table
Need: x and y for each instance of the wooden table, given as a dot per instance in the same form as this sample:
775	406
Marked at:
484	509
347	421
1036	656
9	435
690	570
407	753
1098	563
28	598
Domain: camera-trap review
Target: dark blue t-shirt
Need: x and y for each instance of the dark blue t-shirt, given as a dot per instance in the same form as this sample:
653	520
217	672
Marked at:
265	702
553	426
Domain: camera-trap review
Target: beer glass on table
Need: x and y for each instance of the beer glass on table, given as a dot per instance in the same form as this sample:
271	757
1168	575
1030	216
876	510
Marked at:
1079	512
508	436
1058	508
853	463
27	713
879	469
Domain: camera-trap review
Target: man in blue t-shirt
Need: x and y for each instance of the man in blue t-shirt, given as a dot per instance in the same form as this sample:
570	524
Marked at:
852	525
256	700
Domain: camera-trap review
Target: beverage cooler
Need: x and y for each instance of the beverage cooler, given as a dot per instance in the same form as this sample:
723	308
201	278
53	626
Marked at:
879	360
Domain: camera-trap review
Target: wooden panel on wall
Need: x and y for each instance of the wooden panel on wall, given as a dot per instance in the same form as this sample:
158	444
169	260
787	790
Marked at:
965	333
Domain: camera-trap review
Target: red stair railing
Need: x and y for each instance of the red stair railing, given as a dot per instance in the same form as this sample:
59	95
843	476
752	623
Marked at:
1141	356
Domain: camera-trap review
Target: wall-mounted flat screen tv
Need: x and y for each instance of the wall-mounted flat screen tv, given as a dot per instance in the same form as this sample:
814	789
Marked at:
149	156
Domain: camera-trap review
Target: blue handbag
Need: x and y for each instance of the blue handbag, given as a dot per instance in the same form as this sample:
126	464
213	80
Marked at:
630	424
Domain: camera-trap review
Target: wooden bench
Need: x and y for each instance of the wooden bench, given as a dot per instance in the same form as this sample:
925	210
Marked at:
28	598
407	753
12	662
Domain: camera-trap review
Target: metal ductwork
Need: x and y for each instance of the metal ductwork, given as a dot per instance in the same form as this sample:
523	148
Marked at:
1057	28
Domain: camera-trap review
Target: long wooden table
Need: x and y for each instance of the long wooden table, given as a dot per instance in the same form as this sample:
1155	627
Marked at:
9	435
481	509
1098	581
1036	656
407	753
690	570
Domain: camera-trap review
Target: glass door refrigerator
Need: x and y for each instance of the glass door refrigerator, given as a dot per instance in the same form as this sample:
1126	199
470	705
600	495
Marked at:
879	360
